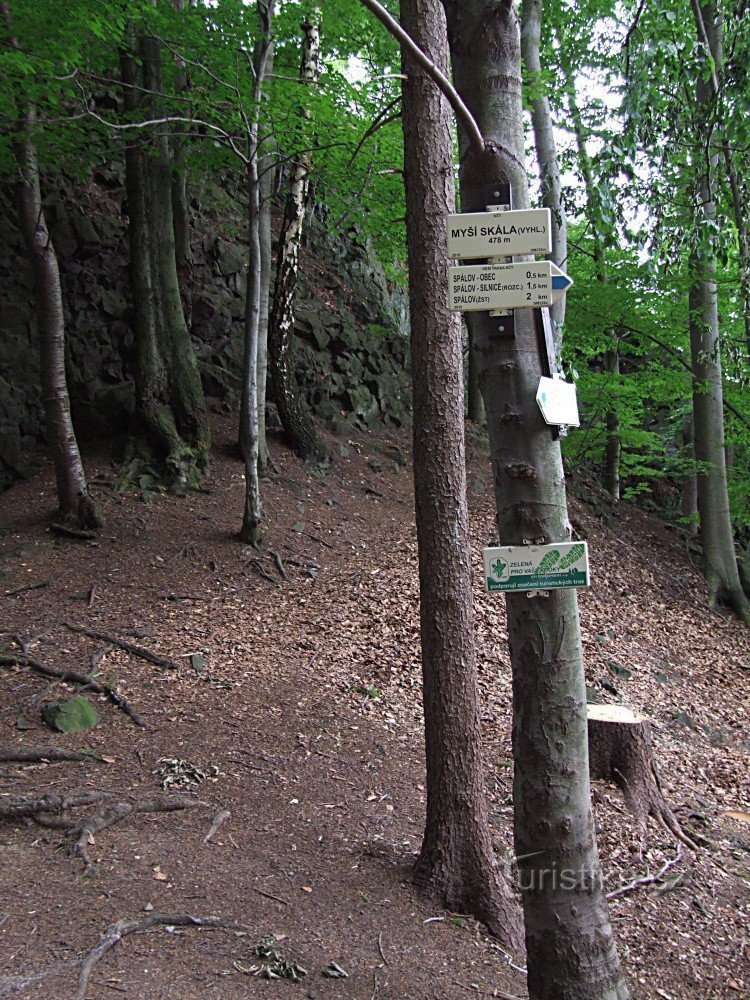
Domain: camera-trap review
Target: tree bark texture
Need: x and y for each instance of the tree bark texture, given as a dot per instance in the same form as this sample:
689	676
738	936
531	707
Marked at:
267	170
571	953
720	562
457	855
77	507
689	498
546	149
169	396
250	415
295	419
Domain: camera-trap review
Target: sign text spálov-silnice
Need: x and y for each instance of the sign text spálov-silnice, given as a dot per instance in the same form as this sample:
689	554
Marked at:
481	287
499	234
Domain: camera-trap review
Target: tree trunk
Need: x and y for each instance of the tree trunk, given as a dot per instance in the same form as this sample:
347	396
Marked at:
457	856
689	499
250	415
77	508
613	442
169	395
720	563
475	403
294	417
546	149
267	171
571	953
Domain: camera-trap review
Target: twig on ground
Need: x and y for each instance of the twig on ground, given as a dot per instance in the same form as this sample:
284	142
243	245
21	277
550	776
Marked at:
97	656
647	879
87	829
270	895
144	654
41	755
130	925
380	948
320	541
91	595
26	587
24	660
219	819
279	564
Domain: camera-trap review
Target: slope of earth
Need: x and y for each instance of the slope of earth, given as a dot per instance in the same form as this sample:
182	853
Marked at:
296	707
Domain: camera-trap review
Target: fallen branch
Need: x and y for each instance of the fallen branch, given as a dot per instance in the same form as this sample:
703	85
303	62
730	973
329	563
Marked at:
270	895
27	586
130	925
144	654
219	819
14	984
86	830
76	677
43	755
647	879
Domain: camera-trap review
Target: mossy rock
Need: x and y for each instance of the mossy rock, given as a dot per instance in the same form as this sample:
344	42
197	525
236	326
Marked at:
69	715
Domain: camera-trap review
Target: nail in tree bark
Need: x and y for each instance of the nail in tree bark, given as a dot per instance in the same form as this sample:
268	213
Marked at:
571	953
77	507
457	856
295	419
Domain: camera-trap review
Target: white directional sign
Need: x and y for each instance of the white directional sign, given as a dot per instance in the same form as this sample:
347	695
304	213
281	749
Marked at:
499	234
480	287
536	567
558	403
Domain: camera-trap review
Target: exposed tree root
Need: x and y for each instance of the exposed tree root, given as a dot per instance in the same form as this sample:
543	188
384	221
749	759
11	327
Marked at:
14	984
41	755
64	529
144	654
130	925
76	677
85	831
17	807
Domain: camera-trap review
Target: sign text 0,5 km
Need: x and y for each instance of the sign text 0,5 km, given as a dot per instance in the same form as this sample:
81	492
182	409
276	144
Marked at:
499	234
480	287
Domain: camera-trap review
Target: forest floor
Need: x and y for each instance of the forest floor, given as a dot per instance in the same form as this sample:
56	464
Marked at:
299	703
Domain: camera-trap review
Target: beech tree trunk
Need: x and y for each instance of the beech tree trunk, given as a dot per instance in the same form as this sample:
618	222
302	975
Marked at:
295	419
250	415
689	498
720	562
546	149
76	506
457	856
571	953
267	170
169	396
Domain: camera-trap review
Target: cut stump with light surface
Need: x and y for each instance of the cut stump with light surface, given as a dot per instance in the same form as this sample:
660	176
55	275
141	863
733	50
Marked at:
621	751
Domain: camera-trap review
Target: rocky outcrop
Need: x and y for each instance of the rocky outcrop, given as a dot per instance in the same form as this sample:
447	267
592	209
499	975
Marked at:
352	338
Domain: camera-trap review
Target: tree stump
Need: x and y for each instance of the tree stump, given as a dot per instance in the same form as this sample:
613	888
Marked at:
620	750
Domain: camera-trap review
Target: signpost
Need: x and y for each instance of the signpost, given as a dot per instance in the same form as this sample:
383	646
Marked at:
484	287
536	567
499	234
558	403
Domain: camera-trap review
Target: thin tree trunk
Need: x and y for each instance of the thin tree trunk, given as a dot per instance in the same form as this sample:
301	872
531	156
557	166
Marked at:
249	431
475	403
546	149
689	499
77	507
185	390
180	209
571	952
267	171
294	417
720	561
613	442
457	856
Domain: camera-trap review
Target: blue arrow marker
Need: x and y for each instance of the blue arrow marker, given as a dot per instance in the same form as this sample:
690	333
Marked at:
561	282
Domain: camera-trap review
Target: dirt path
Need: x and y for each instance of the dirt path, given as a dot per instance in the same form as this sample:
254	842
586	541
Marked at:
299	702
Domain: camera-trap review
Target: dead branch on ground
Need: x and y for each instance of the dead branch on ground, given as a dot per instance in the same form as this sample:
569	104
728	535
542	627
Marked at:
647	879
129	647
43	755
219	819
